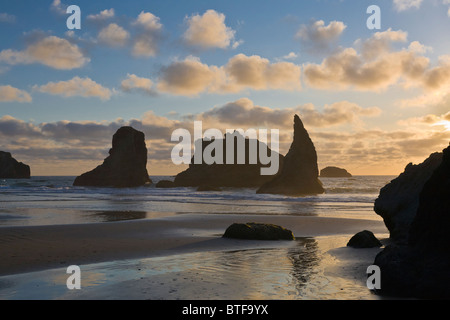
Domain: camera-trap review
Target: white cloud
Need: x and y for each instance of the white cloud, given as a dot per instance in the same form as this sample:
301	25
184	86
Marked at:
146	42
11	94
317	36
148	21
113	35
103	15
58	7
402	5
209	31
133	82
51	51
83	87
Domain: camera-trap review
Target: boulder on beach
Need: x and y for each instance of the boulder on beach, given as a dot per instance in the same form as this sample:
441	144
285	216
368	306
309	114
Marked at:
398	201
334	172
124	167
165	184
10	168
420	268
300	173
227	174
364	239
258	231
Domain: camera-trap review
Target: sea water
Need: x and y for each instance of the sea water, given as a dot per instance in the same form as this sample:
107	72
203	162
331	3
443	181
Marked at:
53	200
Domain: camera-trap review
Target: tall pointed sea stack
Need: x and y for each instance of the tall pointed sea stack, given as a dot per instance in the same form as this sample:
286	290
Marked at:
299	175
124	167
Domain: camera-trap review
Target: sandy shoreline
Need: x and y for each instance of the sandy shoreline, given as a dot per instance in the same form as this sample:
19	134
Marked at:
28	249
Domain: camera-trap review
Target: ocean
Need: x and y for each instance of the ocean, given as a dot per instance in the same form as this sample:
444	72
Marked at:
53	201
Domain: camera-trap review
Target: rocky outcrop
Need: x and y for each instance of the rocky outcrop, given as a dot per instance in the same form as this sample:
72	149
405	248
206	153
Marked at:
420	267
334	172
398	201
10	168
299	175
245	175
258	231
124	167
364	239
165	184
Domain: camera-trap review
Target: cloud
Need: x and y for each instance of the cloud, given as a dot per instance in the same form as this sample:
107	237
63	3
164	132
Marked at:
7	18
83	87
113	35
103	15
146	42
318	37
192	77
50	51
209	31
402	5
376	67
11	94
133	82
58	7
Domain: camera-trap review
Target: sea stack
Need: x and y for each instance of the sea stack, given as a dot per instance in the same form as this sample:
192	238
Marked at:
10	168
334	172
124	167
420	268
233	175
300	172
398	201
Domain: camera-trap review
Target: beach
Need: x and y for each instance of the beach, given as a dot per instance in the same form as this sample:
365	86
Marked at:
183	255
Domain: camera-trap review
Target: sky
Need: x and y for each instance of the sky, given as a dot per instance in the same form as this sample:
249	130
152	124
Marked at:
372	100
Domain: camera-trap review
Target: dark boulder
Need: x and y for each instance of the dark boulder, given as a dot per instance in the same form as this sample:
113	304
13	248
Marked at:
364	239
398	201
258	231
10	168
299	175
124	167
165	184
334	172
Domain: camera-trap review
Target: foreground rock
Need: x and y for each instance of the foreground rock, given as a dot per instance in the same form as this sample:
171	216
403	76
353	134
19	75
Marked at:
364	239
258	231
398	201
299	175
124	167
246	175
10	168
420	268
334	172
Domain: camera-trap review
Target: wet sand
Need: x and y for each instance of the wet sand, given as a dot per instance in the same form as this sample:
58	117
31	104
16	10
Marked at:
34	248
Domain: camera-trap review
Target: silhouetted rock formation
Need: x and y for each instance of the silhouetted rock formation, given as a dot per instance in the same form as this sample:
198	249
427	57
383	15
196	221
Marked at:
258	231
420	268
398	201
124	167
334	172
165	184
228	175
299	175
10	168
364	239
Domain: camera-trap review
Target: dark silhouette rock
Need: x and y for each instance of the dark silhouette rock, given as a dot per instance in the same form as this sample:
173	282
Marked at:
258	231
208	188
124	167
334	172
364	239
10	168
420	267
398	201
166	184
246	175
299	175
